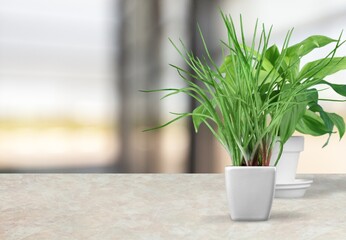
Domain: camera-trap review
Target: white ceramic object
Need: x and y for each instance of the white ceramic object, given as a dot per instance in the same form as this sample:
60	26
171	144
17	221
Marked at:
295	183
295	189
287	165
250	192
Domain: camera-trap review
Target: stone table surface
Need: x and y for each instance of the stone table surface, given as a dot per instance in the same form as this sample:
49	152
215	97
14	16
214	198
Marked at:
158	206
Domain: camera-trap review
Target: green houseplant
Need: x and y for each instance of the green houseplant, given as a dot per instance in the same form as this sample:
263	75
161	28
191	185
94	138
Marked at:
244	103
308	117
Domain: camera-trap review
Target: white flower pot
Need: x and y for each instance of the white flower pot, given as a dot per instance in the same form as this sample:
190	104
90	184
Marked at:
287	165
250	192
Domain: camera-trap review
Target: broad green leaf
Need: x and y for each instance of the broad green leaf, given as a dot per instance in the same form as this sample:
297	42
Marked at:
295	52
324	115
309	44
266	64
272	54
311	124
293	115
330	120
339	88
264	77
339	123
291	68
289	122
312	95
322	67
328	123
227	65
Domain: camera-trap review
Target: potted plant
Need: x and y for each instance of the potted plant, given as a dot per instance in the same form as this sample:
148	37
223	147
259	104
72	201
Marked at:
307	117
243	103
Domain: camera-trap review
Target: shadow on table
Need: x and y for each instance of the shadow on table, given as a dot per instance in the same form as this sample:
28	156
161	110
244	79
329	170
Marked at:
275	215
285	215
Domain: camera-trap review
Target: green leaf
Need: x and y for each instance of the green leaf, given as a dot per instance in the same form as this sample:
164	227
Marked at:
200	113
312	124
328	123
339	88
226	65
292	116
292	68
330	119
265	77
289	122
272	54
309	44
266	64
311	96
295	52
198	119
339	123
322	67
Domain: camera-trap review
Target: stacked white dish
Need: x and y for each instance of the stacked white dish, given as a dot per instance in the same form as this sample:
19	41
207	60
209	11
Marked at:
295	189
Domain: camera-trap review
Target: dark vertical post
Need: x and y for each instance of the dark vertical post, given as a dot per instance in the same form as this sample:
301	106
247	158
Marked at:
152	62
201	152
122	60
138	61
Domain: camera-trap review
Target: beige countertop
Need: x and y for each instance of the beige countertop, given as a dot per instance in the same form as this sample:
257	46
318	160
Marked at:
161	206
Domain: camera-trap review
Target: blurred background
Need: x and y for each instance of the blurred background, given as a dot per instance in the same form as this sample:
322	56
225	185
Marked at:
71	71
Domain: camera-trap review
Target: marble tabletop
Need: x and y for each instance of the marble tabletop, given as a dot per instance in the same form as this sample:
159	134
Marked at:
158	206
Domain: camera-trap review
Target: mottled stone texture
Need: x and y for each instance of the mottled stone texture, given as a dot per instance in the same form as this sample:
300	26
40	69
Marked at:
146	206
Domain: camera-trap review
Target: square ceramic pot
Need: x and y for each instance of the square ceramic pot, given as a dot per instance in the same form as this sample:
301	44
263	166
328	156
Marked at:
250	192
